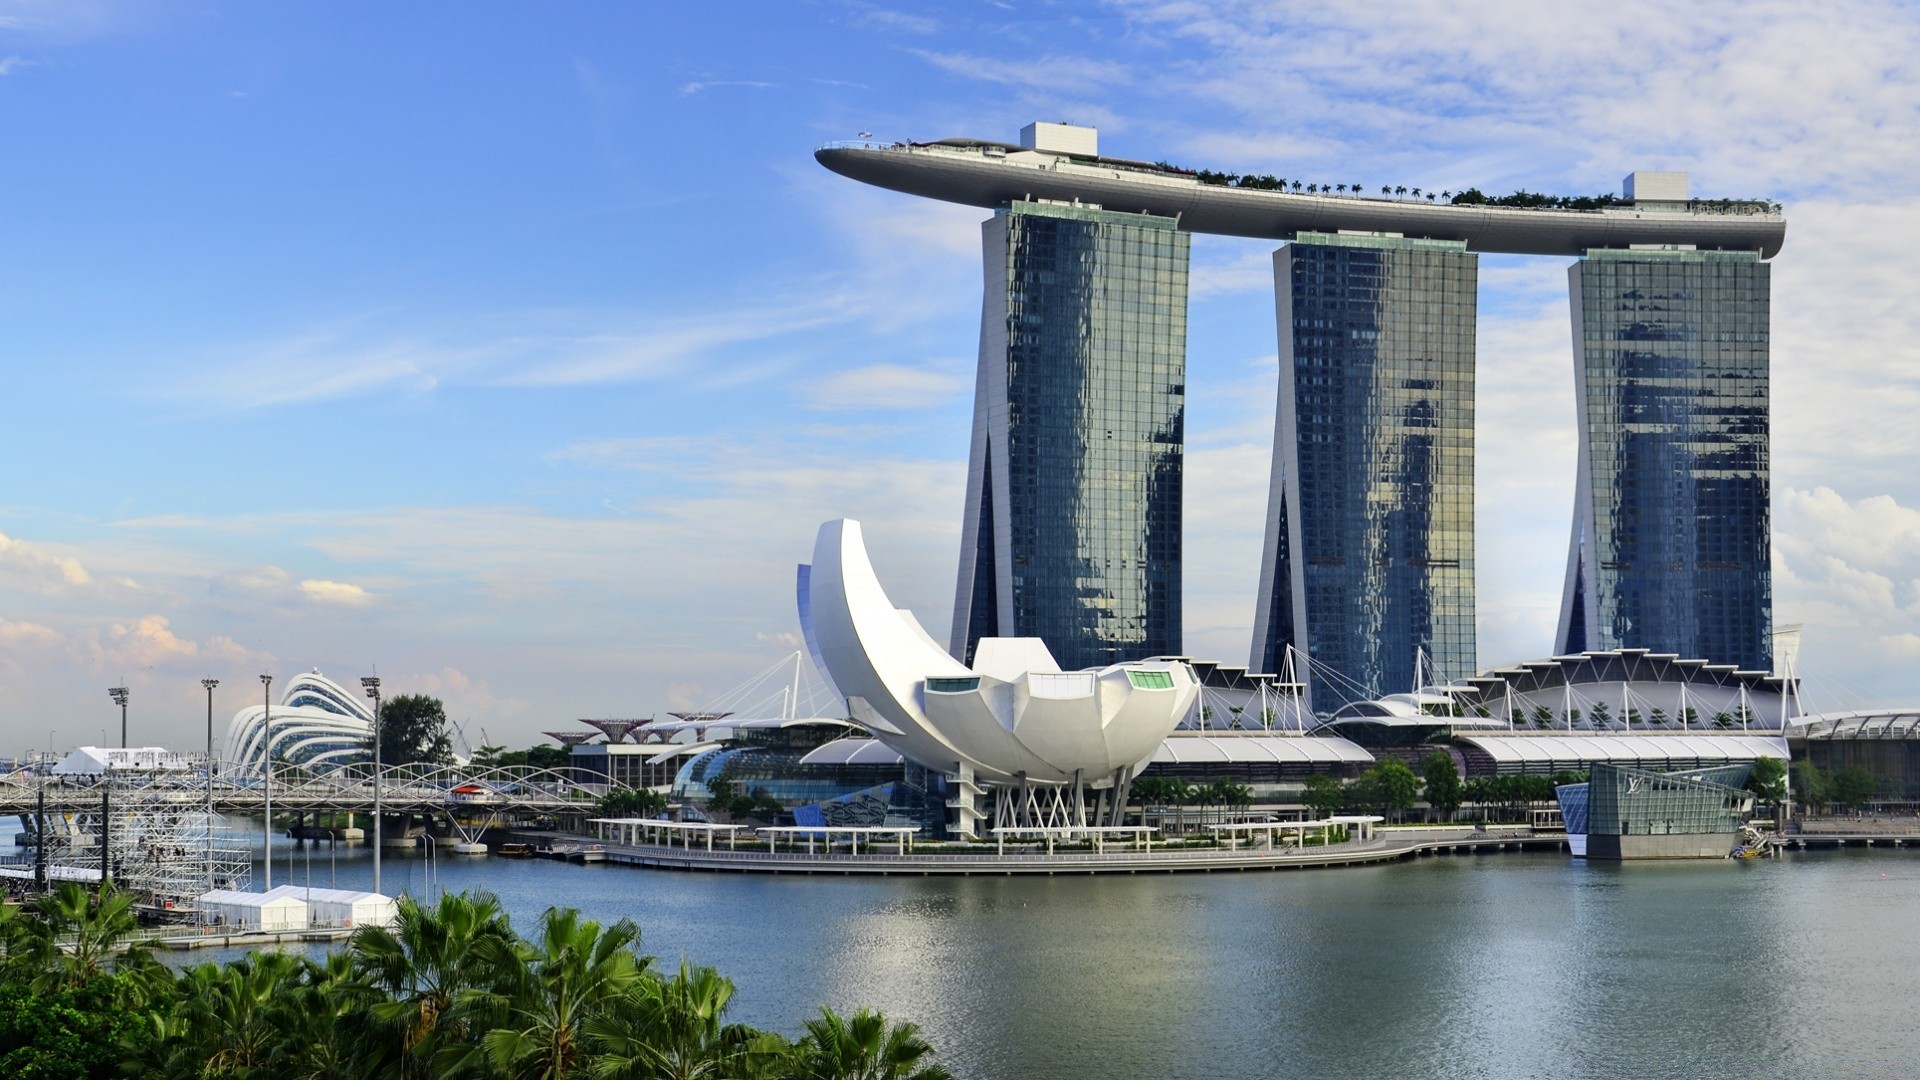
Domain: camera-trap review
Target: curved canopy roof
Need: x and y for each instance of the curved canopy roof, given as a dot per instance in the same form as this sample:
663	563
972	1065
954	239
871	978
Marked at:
853	752
1634	749
1862	724
1258	749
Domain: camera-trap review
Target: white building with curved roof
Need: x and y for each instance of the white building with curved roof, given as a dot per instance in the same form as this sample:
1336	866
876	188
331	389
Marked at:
317	723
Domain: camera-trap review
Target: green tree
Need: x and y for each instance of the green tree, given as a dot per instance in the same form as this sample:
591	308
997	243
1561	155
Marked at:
1852	786
1394	786
863	1047
576	973
632	802
83	936
432	958
674	1028
1442	780
1812	785
70	1033
1768	781
414	728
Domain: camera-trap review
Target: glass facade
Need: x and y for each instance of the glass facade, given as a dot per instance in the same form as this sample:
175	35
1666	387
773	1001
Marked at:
1641	802
1369	547
1072	529
1670	547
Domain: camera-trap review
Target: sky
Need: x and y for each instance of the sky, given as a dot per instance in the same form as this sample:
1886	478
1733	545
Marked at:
516	352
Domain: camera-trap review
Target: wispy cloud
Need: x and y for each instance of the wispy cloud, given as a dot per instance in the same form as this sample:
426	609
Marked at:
750	84
11	64
891	386
1053	72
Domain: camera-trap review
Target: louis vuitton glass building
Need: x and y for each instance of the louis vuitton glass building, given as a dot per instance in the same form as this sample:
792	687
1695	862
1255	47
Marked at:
1670	543
1369	544
1072	526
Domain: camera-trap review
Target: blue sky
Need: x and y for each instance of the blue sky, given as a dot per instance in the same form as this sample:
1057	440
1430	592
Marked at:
519	350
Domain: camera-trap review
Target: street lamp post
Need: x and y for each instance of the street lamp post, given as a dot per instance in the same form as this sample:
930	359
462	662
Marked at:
371	683
266	698
210	684
119	695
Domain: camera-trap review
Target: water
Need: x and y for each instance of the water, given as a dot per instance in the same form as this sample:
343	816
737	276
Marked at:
1499	965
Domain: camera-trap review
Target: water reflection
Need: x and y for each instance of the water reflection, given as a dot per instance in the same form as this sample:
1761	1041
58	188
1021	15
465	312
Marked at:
1497	965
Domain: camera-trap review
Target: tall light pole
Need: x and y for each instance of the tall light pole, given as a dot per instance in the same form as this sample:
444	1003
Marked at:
371	683
210	684
266	698
119	695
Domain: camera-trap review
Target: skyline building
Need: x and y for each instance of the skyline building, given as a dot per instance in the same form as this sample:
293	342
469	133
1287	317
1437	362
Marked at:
1368	559
1072	528
1670	546
1074	476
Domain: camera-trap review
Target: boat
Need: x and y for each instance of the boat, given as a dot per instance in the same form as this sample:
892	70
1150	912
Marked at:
588	853
513	851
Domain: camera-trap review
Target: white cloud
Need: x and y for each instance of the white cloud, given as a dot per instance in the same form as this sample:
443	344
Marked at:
335	593
750	84
28	565
1053	72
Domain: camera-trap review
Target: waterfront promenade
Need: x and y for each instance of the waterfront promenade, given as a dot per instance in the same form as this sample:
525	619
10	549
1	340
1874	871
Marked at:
1385	846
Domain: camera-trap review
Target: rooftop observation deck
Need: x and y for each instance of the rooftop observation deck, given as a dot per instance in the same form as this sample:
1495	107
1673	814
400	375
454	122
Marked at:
989	174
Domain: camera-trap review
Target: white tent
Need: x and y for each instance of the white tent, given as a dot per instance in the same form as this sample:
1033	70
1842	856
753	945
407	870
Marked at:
342	907
252	910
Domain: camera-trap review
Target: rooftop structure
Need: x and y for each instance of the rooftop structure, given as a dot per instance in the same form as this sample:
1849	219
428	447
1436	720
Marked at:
616	730
1063	167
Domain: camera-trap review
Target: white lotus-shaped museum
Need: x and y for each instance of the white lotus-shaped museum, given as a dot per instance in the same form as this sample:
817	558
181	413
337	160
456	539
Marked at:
1014	716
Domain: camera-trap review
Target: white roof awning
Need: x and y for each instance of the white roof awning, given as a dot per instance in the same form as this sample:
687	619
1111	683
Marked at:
1634	749
853	752
1185	749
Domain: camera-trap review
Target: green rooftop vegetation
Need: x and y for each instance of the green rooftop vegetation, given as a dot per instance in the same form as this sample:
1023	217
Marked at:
1472	196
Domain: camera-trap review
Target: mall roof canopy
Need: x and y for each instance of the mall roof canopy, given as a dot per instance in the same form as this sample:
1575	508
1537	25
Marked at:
1648	751
1183	749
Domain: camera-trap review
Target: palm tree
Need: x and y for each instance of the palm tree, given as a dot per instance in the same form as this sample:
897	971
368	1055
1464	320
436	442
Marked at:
575	973
81	934
670	1029
233	1014
429	960
863	1047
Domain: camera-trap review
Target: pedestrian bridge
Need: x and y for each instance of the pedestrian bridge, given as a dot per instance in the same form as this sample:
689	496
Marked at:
417	789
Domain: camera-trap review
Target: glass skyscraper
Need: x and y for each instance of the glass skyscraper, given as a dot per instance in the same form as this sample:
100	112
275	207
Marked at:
1369	544
1072	529
1670	546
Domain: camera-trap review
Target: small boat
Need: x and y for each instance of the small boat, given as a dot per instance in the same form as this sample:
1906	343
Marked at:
590	853
513	851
